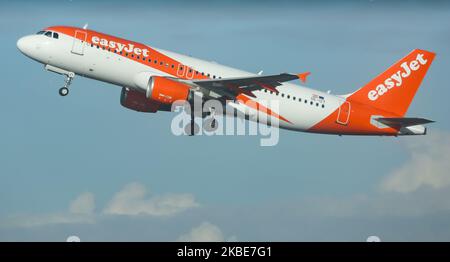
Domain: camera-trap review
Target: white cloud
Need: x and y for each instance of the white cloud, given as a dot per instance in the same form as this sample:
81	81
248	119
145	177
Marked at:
80	212
205	232
83	204
428	166
131	201
46	219
420	185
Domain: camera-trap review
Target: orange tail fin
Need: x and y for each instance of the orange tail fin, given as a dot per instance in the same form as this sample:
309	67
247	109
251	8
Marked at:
394	89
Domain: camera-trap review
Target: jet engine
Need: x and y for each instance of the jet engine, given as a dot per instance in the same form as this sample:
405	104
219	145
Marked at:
137	101
166	91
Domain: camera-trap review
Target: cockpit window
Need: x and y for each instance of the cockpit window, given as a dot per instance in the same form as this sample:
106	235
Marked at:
40	32
48	33
55	35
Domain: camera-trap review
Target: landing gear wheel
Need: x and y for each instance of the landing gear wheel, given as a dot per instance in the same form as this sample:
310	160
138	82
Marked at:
63	91
210	125
191	129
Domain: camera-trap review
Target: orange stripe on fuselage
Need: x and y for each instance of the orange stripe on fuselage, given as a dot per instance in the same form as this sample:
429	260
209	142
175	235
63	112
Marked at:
358	123
255	105
154	55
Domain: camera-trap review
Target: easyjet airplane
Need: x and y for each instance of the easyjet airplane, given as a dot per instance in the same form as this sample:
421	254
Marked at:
153	79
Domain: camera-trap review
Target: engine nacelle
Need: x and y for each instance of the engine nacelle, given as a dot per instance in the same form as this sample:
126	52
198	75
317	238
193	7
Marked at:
166	91
137	101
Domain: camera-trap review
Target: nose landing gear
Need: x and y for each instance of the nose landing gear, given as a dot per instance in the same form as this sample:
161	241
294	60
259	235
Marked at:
63	91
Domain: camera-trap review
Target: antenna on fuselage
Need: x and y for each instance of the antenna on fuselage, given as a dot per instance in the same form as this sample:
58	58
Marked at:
85	26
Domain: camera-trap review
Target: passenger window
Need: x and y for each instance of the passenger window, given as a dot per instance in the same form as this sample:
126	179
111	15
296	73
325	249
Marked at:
288	96
48	33
323	105
282	95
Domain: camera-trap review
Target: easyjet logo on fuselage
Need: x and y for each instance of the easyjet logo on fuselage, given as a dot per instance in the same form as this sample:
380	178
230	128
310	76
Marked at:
397	78
129	48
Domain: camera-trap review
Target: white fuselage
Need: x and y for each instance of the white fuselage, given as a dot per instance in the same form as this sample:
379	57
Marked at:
103	65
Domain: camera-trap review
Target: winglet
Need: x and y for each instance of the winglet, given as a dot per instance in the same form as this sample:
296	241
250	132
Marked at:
303	76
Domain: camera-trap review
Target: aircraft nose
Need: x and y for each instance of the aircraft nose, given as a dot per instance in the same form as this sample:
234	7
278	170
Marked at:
25	44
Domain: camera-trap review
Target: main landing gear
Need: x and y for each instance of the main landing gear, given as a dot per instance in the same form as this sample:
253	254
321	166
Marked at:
63	91
209	125
192	128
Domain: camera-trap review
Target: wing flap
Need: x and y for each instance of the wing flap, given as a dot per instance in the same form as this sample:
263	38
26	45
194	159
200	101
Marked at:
246	84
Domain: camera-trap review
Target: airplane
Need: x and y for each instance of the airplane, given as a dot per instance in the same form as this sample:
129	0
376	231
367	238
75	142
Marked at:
153	79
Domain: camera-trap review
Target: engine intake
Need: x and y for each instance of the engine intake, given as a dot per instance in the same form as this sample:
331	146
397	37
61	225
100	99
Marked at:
166	91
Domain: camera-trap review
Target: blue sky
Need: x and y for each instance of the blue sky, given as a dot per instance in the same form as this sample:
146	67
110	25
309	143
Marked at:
80	164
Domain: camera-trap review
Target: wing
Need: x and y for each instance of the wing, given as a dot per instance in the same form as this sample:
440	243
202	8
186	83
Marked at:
232	87
403	121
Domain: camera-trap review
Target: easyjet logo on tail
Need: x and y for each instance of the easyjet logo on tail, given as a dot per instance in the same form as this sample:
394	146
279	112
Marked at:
397	79
129	48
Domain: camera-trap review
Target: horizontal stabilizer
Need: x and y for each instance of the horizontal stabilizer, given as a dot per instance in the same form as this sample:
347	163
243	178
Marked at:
403	121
